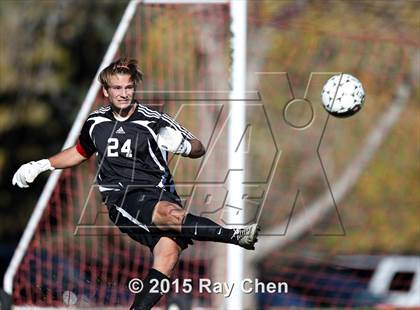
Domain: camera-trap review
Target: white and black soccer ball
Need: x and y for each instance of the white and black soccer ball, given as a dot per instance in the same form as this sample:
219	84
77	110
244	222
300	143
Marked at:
343	95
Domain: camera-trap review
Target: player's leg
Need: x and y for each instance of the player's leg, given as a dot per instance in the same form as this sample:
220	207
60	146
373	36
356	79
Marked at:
165	257
170	216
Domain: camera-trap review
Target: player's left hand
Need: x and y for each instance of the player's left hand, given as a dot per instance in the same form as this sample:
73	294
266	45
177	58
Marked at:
171	140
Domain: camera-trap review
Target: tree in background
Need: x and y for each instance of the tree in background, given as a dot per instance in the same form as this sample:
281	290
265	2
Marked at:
50	51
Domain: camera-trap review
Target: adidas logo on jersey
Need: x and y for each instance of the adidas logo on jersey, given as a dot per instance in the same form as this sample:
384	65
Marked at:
120	131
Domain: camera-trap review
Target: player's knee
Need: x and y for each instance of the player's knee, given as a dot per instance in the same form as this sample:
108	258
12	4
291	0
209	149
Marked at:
159	213
167	213
177	215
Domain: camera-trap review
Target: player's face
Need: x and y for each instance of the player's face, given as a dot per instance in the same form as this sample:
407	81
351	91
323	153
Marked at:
120	91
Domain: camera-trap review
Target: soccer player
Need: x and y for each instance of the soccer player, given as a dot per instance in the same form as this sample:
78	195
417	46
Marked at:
131	142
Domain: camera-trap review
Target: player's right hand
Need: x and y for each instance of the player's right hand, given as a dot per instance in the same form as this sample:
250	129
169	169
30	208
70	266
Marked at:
29	171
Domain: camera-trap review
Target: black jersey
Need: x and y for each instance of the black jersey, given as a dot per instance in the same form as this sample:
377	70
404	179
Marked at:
127	151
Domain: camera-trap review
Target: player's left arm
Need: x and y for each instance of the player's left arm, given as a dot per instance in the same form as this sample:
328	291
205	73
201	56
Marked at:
173	137
172	140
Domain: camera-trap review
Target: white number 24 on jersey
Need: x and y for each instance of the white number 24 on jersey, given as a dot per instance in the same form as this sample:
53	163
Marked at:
112	149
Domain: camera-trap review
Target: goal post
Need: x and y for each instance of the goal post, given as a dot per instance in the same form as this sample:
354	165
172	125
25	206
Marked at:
84	111
236	255
46	248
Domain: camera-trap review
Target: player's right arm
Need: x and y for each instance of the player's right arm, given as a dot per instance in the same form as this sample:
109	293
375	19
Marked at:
70	157
66	159
27	173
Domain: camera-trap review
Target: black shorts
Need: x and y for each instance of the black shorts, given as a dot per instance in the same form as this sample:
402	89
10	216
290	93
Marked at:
132	213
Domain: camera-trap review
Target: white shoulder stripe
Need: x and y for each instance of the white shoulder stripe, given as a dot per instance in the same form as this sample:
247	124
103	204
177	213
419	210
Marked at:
172	122
147	109
101	110
148	115
149	112
178	126
141	106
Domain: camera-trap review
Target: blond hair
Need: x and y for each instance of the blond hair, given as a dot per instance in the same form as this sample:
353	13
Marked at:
121	66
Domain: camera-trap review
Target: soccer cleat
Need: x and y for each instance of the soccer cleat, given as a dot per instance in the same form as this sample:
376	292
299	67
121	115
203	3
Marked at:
246	237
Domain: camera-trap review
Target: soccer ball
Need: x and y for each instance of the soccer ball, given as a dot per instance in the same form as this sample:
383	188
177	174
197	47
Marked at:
343	95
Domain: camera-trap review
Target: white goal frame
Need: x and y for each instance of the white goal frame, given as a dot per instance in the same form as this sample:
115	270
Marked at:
235	255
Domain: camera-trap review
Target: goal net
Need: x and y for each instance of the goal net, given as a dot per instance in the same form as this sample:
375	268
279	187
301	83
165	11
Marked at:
329	212
70	254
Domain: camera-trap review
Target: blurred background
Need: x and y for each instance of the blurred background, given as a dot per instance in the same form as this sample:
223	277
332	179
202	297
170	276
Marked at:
331	252
50	52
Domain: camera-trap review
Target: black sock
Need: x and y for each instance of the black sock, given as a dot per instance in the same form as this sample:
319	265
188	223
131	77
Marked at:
203	229
145	300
